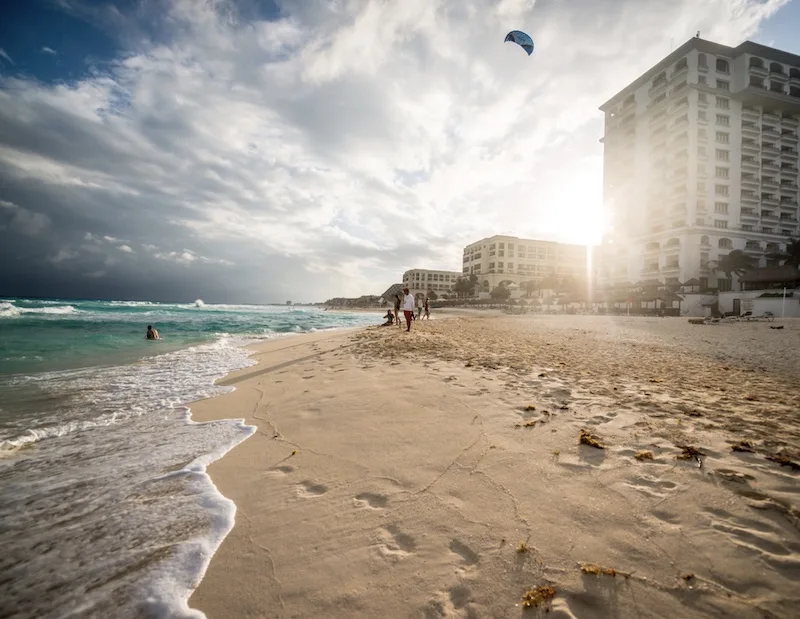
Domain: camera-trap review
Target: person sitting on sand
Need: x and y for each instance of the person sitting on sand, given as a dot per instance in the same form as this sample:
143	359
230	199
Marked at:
408	308
152	334
389	319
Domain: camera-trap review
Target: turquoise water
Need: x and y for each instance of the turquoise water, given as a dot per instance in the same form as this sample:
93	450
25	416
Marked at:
57	334
106	507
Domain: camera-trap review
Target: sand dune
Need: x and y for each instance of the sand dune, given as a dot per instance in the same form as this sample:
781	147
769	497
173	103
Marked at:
440	473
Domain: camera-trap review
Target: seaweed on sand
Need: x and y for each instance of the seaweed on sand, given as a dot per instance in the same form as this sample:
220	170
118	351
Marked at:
523	547
784	460
529	407
689	452
538	595
527	424
586	438
744	446
643	455
597	570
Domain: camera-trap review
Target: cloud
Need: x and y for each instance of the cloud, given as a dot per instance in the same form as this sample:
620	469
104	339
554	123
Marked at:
21	220
336	145
5	56
49	50
125	249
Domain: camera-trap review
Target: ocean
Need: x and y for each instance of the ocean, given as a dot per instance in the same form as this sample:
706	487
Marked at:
106	509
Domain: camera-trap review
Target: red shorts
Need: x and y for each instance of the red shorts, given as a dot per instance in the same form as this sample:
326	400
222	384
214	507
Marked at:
408	315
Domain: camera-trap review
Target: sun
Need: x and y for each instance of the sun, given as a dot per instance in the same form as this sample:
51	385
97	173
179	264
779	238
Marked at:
575	212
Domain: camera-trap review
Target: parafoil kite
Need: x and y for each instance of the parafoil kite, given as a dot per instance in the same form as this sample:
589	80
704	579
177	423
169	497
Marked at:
521	39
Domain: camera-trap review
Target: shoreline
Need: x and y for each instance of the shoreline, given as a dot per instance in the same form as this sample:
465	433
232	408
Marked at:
488	410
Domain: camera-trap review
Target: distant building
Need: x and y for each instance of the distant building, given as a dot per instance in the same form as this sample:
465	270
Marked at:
420	281
514	260
701	157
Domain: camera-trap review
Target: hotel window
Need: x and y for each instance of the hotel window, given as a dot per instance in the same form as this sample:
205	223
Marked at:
721	207
747	227
722	66
701	97
721	172
724	285
723	138
702	115
723	155
502	246
499	265
723	103
701	79
511	246
719	223
723	85
724	121
510	265
721	190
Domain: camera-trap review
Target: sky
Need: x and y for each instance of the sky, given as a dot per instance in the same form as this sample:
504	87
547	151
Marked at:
272	150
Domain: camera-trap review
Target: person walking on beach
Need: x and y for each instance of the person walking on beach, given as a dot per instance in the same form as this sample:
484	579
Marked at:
419	308
152	334
427	309
397	303
408	308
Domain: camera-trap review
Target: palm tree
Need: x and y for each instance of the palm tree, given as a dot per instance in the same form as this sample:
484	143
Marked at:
791	256
736	261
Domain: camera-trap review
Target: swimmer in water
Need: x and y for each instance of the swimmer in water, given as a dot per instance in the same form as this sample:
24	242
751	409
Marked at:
152	334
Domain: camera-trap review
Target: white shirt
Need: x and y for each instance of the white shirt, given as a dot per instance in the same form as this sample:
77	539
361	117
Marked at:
408	303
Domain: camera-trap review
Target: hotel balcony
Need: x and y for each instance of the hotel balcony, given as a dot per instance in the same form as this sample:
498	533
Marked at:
788	188
679	72
750	147
770	166
768	182
671	268
788	171
750	198
788	154
790	138
751	181
770	216
750	115
779	76
768	99
750	214
789	221
751	130
657	89
794	78
750	164
754	250
770	148
758	71
680	106
791	123
768	199
788	204
650	269
770	119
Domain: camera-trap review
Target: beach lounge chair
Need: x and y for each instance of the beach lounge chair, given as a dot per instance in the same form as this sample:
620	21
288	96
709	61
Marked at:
768	316
747	316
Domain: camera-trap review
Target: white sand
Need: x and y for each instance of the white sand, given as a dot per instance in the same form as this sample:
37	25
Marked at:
413	481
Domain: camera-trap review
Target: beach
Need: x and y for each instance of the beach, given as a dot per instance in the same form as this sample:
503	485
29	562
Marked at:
591	466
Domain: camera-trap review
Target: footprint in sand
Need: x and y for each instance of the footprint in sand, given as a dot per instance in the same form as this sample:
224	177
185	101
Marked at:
281	470
308	489
395	544
651	486
469	557
759	538
450	604
371	500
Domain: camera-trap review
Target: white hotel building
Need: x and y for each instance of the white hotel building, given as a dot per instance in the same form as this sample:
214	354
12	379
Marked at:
701	157
420	281
512	259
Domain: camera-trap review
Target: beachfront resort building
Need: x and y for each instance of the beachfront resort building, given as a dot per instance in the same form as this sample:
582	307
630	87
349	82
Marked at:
421	281
701	157
514	261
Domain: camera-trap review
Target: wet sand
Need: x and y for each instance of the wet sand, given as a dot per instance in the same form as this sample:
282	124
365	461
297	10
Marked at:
441	474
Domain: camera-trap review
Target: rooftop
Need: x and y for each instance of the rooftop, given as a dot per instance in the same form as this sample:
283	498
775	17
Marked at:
702	45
